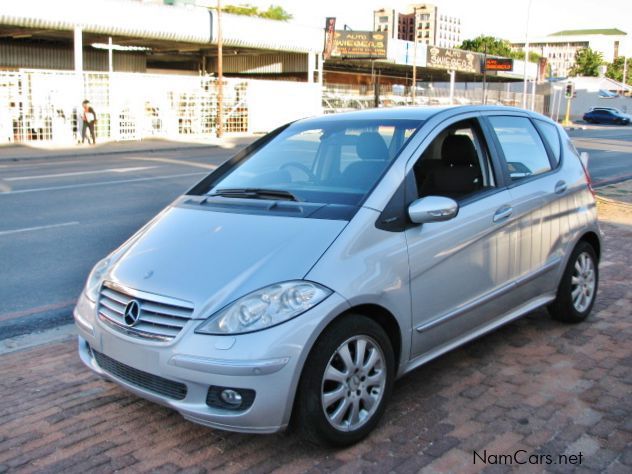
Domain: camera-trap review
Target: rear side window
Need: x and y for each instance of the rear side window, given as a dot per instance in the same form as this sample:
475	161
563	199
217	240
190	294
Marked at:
552	139
521	144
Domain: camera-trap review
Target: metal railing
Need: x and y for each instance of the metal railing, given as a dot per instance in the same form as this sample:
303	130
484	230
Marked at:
341	97
45	106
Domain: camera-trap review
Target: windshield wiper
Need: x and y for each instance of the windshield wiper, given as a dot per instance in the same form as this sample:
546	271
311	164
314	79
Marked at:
255	193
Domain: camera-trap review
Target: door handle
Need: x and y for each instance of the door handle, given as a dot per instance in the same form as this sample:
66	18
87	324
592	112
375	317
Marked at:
502	213
560	187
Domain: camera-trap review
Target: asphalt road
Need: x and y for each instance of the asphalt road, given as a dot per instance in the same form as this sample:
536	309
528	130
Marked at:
610	149
59	216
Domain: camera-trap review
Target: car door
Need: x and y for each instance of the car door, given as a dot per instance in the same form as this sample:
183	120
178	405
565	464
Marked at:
460	269
530	154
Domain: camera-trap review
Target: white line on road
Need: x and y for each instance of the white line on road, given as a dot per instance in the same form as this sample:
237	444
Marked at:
103	183
79	173
41	227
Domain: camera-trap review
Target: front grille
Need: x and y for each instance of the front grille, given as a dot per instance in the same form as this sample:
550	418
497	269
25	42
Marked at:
156	320
152	383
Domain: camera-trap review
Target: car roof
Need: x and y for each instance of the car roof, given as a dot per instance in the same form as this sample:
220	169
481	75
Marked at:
416	113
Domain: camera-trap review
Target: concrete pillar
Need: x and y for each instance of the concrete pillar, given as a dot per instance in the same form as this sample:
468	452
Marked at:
321	66
452	79
78	49
110	58
311	66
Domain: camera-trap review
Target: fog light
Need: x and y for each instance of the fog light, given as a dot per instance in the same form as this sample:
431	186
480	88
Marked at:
231	397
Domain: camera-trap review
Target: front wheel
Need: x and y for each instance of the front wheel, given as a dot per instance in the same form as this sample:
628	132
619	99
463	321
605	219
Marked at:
578	287
346	382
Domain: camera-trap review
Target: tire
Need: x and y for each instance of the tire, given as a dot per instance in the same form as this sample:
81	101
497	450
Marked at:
581	276
368	388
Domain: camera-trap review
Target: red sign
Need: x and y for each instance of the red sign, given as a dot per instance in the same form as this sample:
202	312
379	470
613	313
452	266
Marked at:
499	64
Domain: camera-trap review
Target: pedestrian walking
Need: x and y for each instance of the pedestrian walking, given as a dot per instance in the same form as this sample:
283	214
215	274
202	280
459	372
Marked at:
89	118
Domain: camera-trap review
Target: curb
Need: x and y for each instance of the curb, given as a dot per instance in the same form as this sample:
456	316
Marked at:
35	323
615	202
107	152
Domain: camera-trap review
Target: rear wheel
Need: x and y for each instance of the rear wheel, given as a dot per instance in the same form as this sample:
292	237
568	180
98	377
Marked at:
346	382
578	287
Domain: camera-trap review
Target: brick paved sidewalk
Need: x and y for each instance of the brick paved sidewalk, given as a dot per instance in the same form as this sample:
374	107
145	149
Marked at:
534	385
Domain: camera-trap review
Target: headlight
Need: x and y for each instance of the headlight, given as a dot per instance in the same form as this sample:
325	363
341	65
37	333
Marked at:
265	308
95	278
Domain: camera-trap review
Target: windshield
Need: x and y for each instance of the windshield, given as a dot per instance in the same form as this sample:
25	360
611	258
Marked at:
330	162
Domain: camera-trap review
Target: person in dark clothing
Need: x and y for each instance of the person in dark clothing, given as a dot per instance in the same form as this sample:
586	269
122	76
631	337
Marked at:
89	118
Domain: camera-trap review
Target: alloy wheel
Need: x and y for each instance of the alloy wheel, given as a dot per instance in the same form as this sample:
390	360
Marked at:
353	383
583	282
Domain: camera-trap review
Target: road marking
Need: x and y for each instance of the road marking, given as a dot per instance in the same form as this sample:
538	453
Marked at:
179	162
41	227
80	173
38	309
103	183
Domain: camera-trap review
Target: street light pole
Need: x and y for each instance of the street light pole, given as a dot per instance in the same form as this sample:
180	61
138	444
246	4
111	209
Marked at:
415	56
220	74
526	59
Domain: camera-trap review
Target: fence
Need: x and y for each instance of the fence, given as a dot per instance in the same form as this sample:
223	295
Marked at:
341	97
38	106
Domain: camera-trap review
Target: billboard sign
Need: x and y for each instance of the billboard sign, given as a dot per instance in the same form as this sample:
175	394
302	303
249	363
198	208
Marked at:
498	64
453	60
330	31
359	45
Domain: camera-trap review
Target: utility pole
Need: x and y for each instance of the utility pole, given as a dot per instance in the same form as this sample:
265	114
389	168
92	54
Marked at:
415	56
625	69
526	59
220	74
485	75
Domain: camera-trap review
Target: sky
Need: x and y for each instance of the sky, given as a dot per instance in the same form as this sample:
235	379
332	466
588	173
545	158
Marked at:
501	18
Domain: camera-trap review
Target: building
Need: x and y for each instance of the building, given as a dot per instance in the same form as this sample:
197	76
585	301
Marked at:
559	48
428	22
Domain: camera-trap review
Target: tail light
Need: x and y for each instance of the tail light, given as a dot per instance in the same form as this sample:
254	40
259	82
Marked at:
583	159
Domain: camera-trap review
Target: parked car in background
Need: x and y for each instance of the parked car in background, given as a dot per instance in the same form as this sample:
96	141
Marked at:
606	115
298	280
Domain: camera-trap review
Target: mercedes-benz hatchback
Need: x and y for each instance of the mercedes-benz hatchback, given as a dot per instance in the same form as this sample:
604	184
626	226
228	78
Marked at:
298	280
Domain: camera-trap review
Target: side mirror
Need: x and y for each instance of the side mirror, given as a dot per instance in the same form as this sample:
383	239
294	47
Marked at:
432	209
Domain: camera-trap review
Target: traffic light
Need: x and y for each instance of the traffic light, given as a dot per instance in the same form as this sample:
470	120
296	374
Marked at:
570	90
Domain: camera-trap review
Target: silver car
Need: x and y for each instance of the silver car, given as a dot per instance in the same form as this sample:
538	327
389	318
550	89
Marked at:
297	281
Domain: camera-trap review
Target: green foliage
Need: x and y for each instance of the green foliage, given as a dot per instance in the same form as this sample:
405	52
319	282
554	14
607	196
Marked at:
533	56
587	63
615	70
272	13
496	47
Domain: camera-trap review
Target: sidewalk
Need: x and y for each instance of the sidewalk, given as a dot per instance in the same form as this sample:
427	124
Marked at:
15	152
534	385
618	192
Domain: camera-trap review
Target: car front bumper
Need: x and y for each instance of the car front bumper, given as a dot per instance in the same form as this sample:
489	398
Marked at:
268	362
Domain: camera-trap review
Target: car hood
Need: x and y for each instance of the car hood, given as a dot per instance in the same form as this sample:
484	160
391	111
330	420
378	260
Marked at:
211	258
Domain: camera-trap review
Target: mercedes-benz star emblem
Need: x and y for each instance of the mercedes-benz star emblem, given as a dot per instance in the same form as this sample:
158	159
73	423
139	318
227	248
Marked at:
132	313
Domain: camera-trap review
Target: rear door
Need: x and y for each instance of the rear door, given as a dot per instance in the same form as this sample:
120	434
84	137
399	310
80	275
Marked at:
530	153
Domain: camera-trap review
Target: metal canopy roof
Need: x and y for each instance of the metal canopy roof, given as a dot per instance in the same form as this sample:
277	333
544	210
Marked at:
159	23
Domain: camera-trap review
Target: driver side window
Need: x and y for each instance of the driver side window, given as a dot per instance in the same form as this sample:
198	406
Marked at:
456	164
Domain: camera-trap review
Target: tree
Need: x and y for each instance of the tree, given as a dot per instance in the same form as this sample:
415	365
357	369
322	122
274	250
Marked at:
615	70
272	13
533	56
495	46
587	63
